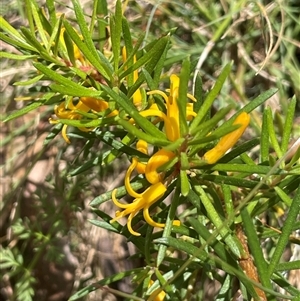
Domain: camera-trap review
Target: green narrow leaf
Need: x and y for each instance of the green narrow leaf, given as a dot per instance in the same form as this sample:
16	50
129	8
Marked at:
149	80
243	168
288	266
152	67
16	43
84	28
234	181
18	57
132	51
55	35
38	47
29	16
210	98
184	183
264	139
102	12
247	160
108	156
228	199
286	232
106	281
104	225
254	103
111	156
153	54
168	227
98	60
38	23
66	85
244	147
70	47
86	123
128	49
5	26
116	31
251	105
143	122
163	282
285	198
24	110
79	91
198	94
219	248
288	125
93	17
272	134
185	246
133	130
225	291
110	139
158	66
256	251
182	96
221	227
127	36
30	81
51	10
54	132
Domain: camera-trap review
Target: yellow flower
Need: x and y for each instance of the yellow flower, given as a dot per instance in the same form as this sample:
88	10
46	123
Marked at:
151	195
142	202
72	112
171	118
229	140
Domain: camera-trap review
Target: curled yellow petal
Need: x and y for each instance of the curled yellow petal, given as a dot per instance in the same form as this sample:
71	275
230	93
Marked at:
142	146
229	140
131	216
143	202
140	168
150	221
127	179
158	159
64	134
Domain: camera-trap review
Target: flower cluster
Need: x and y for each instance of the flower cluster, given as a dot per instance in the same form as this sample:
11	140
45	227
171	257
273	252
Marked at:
158	186
153	169
157	180
71	111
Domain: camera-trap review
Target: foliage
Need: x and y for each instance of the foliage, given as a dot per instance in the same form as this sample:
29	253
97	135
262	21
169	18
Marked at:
198	187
